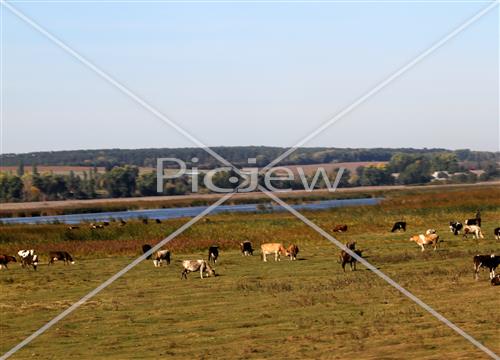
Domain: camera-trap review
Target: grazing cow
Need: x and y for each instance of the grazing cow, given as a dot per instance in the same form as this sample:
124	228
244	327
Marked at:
292	251
28	257
400	225
496	232
496	280
195	265
346	258
487	261
60	255
123	222
160	256
455	227
272	248
474	230
5	259
96	226
105	223
430	231
340	228
73	227
423	240
145	249
471	222
158	221
145	221
213	253
246	248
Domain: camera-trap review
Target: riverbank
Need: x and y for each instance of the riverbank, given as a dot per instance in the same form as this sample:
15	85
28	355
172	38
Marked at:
122	204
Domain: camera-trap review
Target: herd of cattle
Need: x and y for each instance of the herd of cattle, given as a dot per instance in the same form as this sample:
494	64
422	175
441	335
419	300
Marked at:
470	227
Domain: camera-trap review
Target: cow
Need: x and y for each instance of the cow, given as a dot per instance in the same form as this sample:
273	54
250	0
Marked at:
496	280
496	232
195	265
246	248
105	223
96	226
340	228
487	261
455	227
123	222
60	255
145	221
471	222
28	257
430	231
73	227
160	256
272	248
5	259
346	258
158	221
213	253
145	249
292	251
399	225
423	240
474	230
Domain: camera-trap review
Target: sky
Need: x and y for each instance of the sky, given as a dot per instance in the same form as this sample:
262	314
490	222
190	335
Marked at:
234	74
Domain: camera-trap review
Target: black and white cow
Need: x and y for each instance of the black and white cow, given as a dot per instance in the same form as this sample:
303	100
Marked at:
60	255
455	227
496	232
213	253
399	225
28	258
246	248
496	280
490	262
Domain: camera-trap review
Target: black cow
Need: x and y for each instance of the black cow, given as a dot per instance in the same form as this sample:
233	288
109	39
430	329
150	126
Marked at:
455	227
60	255
487	261
145	249
123	222
145	221
400	225
158	221
213	253
105	223
496	232
246	248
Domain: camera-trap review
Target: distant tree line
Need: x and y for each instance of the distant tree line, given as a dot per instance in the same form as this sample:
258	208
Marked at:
413	167
238	156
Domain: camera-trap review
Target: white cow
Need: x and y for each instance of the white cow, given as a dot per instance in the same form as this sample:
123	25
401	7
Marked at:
195	265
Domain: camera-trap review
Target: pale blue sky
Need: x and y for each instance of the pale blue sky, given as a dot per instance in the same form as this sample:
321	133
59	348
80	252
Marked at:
250	74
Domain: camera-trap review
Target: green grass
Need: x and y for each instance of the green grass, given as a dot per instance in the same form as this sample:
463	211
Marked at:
303	309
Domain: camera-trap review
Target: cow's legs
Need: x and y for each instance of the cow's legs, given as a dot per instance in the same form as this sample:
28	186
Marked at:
184	274
422	246
264	257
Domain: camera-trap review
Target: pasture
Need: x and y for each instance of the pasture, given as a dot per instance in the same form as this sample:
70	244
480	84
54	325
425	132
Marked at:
308	308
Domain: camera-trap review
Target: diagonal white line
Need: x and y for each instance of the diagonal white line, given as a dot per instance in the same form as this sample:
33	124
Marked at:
252	1
112	279
383	276
366	96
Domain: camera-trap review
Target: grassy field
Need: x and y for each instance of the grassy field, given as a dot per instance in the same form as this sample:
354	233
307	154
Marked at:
303	309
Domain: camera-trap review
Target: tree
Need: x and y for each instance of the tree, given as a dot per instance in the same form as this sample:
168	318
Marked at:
121	181
373	176
418	172
146	184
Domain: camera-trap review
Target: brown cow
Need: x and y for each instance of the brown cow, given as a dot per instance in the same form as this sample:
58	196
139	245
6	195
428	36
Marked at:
5	259
346	258
340	228
422	240
292	251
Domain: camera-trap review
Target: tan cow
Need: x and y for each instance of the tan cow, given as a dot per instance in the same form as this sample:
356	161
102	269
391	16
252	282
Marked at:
273	248
423	240
474	230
